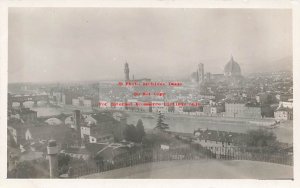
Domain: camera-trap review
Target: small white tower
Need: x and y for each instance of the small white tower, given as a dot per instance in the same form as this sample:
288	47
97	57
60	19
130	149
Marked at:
52	151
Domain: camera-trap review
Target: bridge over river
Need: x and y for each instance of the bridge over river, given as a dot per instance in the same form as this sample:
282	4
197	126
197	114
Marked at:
24	98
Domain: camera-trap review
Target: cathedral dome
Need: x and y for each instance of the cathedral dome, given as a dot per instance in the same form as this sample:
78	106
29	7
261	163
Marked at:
232	68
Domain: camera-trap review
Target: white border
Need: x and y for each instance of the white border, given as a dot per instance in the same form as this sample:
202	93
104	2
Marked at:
4	5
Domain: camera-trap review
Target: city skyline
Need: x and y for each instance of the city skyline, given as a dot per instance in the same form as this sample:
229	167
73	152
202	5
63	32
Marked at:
149	90
74	44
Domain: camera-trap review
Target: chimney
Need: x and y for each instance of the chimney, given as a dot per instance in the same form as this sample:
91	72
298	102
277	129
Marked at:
52	151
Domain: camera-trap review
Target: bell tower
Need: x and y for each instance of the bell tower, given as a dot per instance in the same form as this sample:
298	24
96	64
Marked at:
126	71
200	72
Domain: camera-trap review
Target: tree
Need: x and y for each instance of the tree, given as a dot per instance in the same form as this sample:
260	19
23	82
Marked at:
99	160
63	163
140	123
267	111
25	170
261	138
134	133
160	122
140	131
68	139
63	159
130	133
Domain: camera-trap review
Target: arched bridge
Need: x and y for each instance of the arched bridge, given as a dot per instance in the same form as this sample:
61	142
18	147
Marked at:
24	98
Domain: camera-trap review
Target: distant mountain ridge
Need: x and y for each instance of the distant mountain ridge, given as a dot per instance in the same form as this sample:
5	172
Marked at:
283	64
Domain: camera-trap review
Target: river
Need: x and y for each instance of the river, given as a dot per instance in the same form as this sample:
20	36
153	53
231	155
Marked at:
184	124
179	123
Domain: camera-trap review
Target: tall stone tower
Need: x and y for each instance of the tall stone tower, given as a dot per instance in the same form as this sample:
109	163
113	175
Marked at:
200	72
126	71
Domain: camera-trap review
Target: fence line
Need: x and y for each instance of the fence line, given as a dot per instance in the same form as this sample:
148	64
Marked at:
192	153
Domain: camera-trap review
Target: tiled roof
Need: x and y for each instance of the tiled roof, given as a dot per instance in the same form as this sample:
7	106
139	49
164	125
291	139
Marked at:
281	108
95	147
100	134
77	151
109	153
57	132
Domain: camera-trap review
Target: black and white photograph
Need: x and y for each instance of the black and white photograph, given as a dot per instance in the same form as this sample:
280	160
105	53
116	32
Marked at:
150	93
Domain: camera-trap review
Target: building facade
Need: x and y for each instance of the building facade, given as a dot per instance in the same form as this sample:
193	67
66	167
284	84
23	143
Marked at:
241	110
283	114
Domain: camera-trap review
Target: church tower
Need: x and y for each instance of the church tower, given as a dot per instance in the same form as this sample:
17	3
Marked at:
200	72
126	71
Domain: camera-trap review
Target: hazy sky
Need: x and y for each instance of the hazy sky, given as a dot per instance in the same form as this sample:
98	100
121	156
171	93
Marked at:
69	44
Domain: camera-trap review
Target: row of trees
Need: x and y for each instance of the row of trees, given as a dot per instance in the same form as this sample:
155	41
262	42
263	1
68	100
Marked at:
261	138
135	133
30	169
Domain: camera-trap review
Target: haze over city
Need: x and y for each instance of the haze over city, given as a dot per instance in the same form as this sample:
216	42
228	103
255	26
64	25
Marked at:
149	93
72	44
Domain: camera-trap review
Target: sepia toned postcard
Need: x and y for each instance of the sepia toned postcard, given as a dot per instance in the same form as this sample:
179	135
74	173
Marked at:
161	90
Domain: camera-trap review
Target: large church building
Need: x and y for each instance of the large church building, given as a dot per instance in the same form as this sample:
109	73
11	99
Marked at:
232	74
232	68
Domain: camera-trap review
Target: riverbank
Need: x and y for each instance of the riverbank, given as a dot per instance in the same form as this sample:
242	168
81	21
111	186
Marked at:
187	124
184	123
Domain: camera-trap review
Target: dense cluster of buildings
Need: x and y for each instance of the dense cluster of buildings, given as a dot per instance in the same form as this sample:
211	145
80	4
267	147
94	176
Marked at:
228	95
81	136
73	97
23	114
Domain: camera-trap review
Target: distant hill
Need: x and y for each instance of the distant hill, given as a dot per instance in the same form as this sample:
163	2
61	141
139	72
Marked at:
283	64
